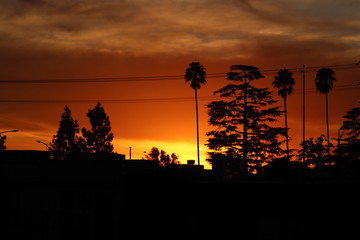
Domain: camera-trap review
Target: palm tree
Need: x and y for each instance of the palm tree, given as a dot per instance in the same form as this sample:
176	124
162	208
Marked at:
195	74
324	83
284	82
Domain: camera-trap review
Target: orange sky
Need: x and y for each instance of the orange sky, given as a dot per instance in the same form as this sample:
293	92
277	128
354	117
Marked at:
43	39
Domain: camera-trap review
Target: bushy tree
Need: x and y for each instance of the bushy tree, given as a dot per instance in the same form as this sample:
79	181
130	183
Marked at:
314	151
161	157
99	138
153	155
65	141
243	134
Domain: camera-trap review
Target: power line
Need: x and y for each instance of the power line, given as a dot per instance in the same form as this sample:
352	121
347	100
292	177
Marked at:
113	79
161	77
152	100
144	100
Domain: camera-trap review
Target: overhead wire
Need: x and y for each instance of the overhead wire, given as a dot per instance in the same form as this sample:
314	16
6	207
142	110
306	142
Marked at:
161	77
152	100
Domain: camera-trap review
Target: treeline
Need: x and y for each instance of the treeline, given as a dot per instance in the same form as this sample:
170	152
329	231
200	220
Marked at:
245	140
68	140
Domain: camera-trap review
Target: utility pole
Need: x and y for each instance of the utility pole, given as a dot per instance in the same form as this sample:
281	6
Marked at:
303	106
129	153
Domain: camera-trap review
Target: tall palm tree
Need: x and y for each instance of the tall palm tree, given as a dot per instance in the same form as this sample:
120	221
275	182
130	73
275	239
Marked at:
324	83
195	74
284	82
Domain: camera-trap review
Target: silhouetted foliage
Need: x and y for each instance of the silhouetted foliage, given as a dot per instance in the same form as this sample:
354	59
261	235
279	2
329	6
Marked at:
324	83
66	140
284	82
153	155
351	126
161	157
324	80
2	142
242	132
315	151
195	74
166	159
99	138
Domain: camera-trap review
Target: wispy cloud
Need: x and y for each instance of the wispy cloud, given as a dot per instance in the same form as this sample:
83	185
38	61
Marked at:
147	27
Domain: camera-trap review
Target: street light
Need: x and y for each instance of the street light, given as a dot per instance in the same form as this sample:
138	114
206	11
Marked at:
10	131
44	144
51	151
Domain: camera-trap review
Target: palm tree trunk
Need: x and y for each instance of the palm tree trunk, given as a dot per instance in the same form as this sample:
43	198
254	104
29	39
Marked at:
286	131
327	124
197	127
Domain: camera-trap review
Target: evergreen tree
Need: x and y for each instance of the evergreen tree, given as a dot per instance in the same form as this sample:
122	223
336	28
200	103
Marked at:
99	138
242	133
65	141
2	142
351	127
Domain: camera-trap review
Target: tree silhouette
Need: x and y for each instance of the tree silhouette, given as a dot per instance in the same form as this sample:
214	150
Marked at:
65	141
167	160
284	82
195	74
250	108
351	126
99	138
161	157
2	142
314	151
324	83
153	155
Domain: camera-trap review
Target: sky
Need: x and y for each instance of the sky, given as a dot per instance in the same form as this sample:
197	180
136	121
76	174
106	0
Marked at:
69	39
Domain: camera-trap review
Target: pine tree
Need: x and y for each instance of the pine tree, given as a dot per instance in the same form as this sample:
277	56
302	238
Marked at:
99	138
351	127
65	141
243	135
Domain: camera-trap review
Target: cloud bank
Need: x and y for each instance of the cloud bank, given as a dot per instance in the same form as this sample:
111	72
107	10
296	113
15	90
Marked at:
143	27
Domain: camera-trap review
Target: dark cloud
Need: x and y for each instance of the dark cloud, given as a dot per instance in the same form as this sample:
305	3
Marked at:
148	27
288	50
266	12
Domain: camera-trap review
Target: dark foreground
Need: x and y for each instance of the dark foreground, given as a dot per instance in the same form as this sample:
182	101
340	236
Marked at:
159	206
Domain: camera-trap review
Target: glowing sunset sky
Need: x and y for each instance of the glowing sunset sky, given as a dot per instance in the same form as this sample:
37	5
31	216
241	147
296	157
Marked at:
48	39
